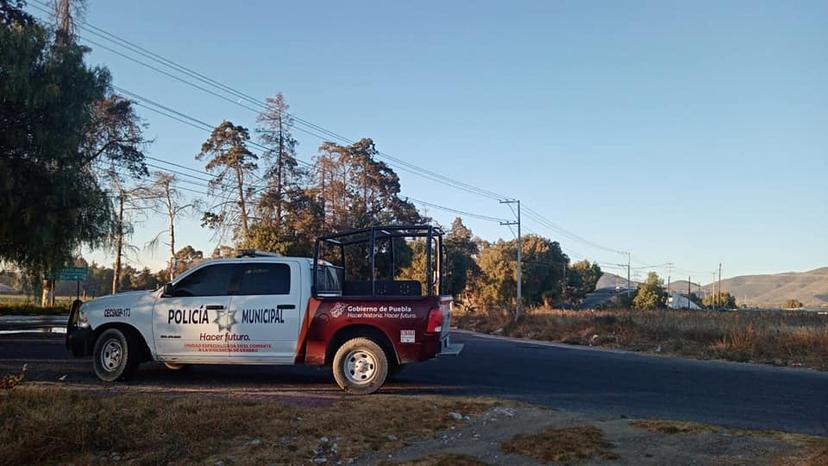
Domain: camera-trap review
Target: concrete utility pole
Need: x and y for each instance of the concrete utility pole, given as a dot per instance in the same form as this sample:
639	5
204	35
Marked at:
715	293
689	282
629	287
519	306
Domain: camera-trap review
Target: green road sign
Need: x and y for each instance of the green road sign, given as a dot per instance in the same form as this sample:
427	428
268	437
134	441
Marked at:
70	273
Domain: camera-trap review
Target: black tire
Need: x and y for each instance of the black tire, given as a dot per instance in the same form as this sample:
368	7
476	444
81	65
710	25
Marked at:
115	356
360	366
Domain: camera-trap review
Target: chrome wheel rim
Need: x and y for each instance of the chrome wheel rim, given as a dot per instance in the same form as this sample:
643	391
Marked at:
360	367
111	355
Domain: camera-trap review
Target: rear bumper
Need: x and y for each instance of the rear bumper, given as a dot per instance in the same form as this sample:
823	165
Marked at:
449	349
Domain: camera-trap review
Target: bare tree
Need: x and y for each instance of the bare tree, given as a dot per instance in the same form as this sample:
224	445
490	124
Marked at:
65	14
130	204
165	199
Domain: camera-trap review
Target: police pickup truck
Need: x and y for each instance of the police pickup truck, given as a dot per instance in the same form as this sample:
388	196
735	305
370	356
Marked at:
356	316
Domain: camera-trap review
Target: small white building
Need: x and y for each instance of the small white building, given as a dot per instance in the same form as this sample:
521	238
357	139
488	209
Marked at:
679	301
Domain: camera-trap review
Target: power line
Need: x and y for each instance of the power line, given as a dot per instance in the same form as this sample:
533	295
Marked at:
170	170
197	123
456	211
314	128
406	166
202	172
540	219
399	163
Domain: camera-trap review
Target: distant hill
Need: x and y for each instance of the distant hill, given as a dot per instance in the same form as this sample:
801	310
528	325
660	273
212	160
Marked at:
680	286
774	289
610	280
771	290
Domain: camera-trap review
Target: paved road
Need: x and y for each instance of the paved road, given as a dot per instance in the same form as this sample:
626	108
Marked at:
598	382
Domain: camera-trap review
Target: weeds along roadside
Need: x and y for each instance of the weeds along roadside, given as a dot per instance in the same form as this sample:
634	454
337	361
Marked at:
788	338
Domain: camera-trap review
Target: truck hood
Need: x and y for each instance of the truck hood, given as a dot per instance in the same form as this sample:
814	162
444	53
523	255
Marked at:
126	297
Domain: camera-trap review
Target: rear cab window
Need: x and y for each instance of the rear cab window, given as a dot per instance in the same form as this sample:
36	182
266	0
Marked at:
264	279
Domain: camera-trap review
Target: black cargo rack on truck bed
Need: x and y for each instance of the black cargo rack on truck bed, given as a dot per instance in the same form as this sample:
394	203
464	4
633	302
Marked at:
387	242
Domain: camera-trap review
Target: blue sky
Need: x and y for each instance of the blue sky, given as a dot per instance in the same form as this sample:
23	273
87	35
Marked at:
684	132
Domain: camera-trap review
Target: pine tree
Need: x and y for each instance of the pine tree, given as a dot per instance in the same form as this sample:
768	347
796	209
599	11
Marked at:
232	165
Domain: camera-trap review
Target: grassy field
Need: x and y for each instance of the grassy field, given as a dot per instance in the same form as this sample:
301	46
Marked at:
24	305
41	425
798	339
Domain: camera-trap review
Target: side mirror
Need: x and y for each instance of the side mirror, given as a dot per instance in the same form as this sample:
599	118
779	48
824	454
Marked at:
167	291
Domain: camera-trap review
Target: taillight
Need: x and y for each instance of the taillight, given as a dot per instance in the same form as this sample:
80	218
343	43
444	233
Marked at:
435	320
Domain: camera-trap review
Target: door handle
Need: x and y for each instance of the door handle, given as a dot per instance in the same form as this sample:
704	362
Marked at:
286	306
214	307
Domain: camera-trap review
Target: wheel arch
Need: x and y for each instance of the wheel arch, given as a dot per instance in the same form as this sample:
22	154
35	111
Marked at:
130	331
361	330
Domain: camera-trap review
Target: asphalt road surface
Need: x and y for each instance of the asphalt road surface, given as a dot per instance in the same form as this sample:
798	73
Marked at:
596	382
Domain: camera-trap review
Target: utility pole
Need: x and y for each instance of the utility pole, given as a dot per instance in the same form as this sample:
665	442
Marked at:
689	282
669	271
629	287
519	306
715	294
119	243
689	292
720	279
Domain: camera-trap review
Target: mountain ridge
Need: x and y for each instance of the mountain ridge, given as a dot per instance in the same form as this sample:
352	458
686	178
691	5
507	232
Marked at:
756	290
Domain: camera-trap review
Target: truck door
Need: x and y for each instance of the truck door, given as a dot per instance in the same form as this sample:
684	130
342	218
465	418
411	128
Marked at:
195	323
268	311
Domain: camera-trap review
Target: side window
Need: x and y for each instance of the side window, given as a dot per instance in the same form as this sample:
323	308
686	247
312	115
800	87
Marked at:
212	280
259	279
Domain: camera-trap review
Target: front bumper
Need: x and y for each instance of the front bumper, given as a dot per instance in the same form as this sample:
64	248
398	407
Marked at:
79	341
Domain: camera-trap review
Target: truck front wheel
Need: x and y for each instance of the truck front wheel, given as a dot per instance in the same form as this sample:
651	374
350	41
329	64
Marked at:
360	366
115	356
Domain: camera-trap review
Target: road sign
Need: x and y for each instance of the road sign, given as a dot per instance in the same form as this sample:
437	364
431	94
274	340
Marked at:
70	273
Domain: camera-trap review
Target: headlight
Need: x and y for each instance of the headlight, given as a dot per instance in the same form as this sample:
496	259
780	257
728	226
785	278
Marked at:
83	320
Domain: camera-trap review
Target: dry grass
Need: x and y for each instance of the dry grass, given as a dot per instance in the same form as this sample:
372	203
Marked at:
57	426
808	450
813	453
779	338
9	381
562	445
673	427
442	459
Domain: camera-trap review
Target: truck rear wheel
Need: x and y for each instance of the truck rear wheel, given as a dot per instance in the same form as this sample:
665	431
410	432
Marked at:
115	356
360	366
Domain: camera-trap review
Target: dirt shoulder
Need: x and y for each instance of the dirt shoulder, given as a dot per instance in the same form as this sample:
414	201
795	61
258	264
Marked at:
530	435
